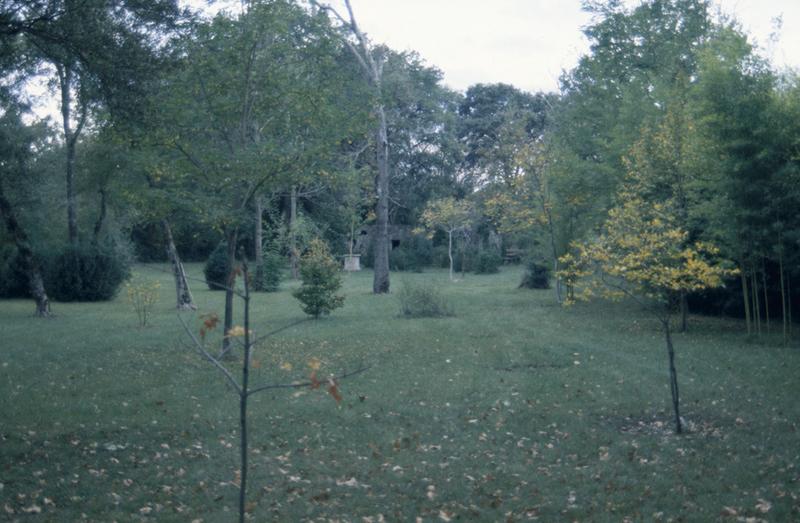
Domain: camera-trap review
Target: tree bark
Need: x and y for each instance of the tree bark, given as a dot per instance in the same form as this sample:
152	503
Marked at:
294	253
380	282
673	377
183	294
34	272
258	241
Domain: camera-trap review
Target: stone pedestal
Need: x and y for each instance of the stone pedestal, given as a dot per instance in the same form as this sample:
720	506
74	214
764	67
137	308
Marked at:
352	262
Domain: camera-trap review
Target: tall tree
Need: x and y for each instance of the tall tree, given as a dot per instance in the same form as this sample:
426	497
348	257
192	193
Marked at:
371	59
99	51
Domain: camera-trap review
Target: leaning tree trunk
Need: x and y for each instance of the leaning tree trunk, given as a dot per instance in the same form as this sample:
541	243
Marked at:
673	376
380	282
183	294
34	273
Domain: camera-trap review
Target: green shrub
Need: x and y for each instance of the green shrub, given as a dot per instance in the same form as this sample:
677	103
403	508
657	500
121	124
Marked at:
216	269
268	275
13	279
321	278
423	301
487	262
86	272
536	275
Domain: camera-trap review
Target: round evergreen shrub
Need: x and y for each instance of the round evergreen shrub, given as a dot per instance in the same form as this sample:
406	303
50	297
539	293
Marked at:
536	275
86	272
487	262
216	269
321	279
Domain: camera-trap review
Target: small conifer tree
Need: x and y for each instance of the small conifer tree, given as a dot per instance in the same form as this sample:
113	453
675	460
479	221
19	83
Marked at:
321	279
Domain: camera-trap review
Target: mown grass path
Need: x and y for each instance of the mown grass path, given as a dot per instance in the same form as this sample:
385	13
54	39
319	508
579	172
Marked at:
515	409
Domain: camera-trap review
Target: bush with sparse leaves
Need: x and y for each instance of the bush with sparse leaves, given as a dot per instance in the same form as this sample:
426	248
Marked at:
487	262
423	301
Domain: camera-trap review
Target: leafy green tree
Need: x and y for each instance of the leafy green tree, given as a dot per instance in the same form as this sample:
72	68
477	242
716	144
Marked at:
247	115
101	53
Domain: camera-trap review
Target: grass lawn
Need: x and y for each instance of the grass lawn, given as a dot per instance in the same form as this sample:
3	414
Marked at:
512	410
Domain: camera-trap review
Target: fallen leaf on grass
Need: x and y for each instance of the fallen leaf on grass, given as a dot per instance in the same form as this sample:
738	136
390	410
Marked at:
763	506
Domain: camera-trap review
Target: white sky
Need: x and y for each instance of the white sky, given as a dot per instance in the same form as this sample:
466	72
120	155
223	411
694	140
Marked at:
528	43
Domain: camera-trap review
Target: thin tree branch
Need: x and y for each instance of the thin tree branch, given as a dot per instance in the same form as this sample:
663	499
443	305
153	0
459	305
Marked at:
209	357
306	383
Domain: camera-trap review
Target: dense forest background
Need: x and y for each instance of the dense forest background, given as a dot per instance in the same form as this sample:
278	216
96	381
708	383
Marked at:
284	123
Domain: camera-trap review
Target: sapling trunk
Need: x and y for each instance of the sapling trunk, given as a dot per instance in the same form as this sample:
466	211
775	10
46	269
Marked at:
294	254
684	312
243	396
673	376
766	294
746	299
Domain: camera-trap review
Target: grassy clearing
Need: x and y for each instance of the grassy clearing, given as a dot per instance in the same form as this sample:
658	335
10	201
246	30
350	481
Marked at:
513	409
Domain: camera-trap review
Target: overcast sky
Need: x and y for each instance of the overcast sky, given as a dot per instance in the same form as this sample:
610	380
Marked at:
528	43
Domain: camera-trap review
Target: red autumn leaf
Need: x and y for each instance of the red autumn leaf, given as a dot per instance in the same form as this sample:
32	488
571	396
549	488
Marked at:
315	383
333	390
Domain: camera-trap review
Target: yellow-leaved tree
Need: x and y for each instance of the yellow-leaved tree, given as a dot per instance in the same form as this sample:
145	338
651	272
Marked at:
448	215
642	253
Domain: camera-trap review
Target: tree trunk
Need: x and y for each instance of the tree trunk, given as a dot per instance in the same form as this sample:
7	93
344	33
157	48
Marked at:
183	294
450	251
65	74
34	272
673	377
101	217
783	295
756	304
380	282
258	242
231	237
294	253
766	294
746	299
